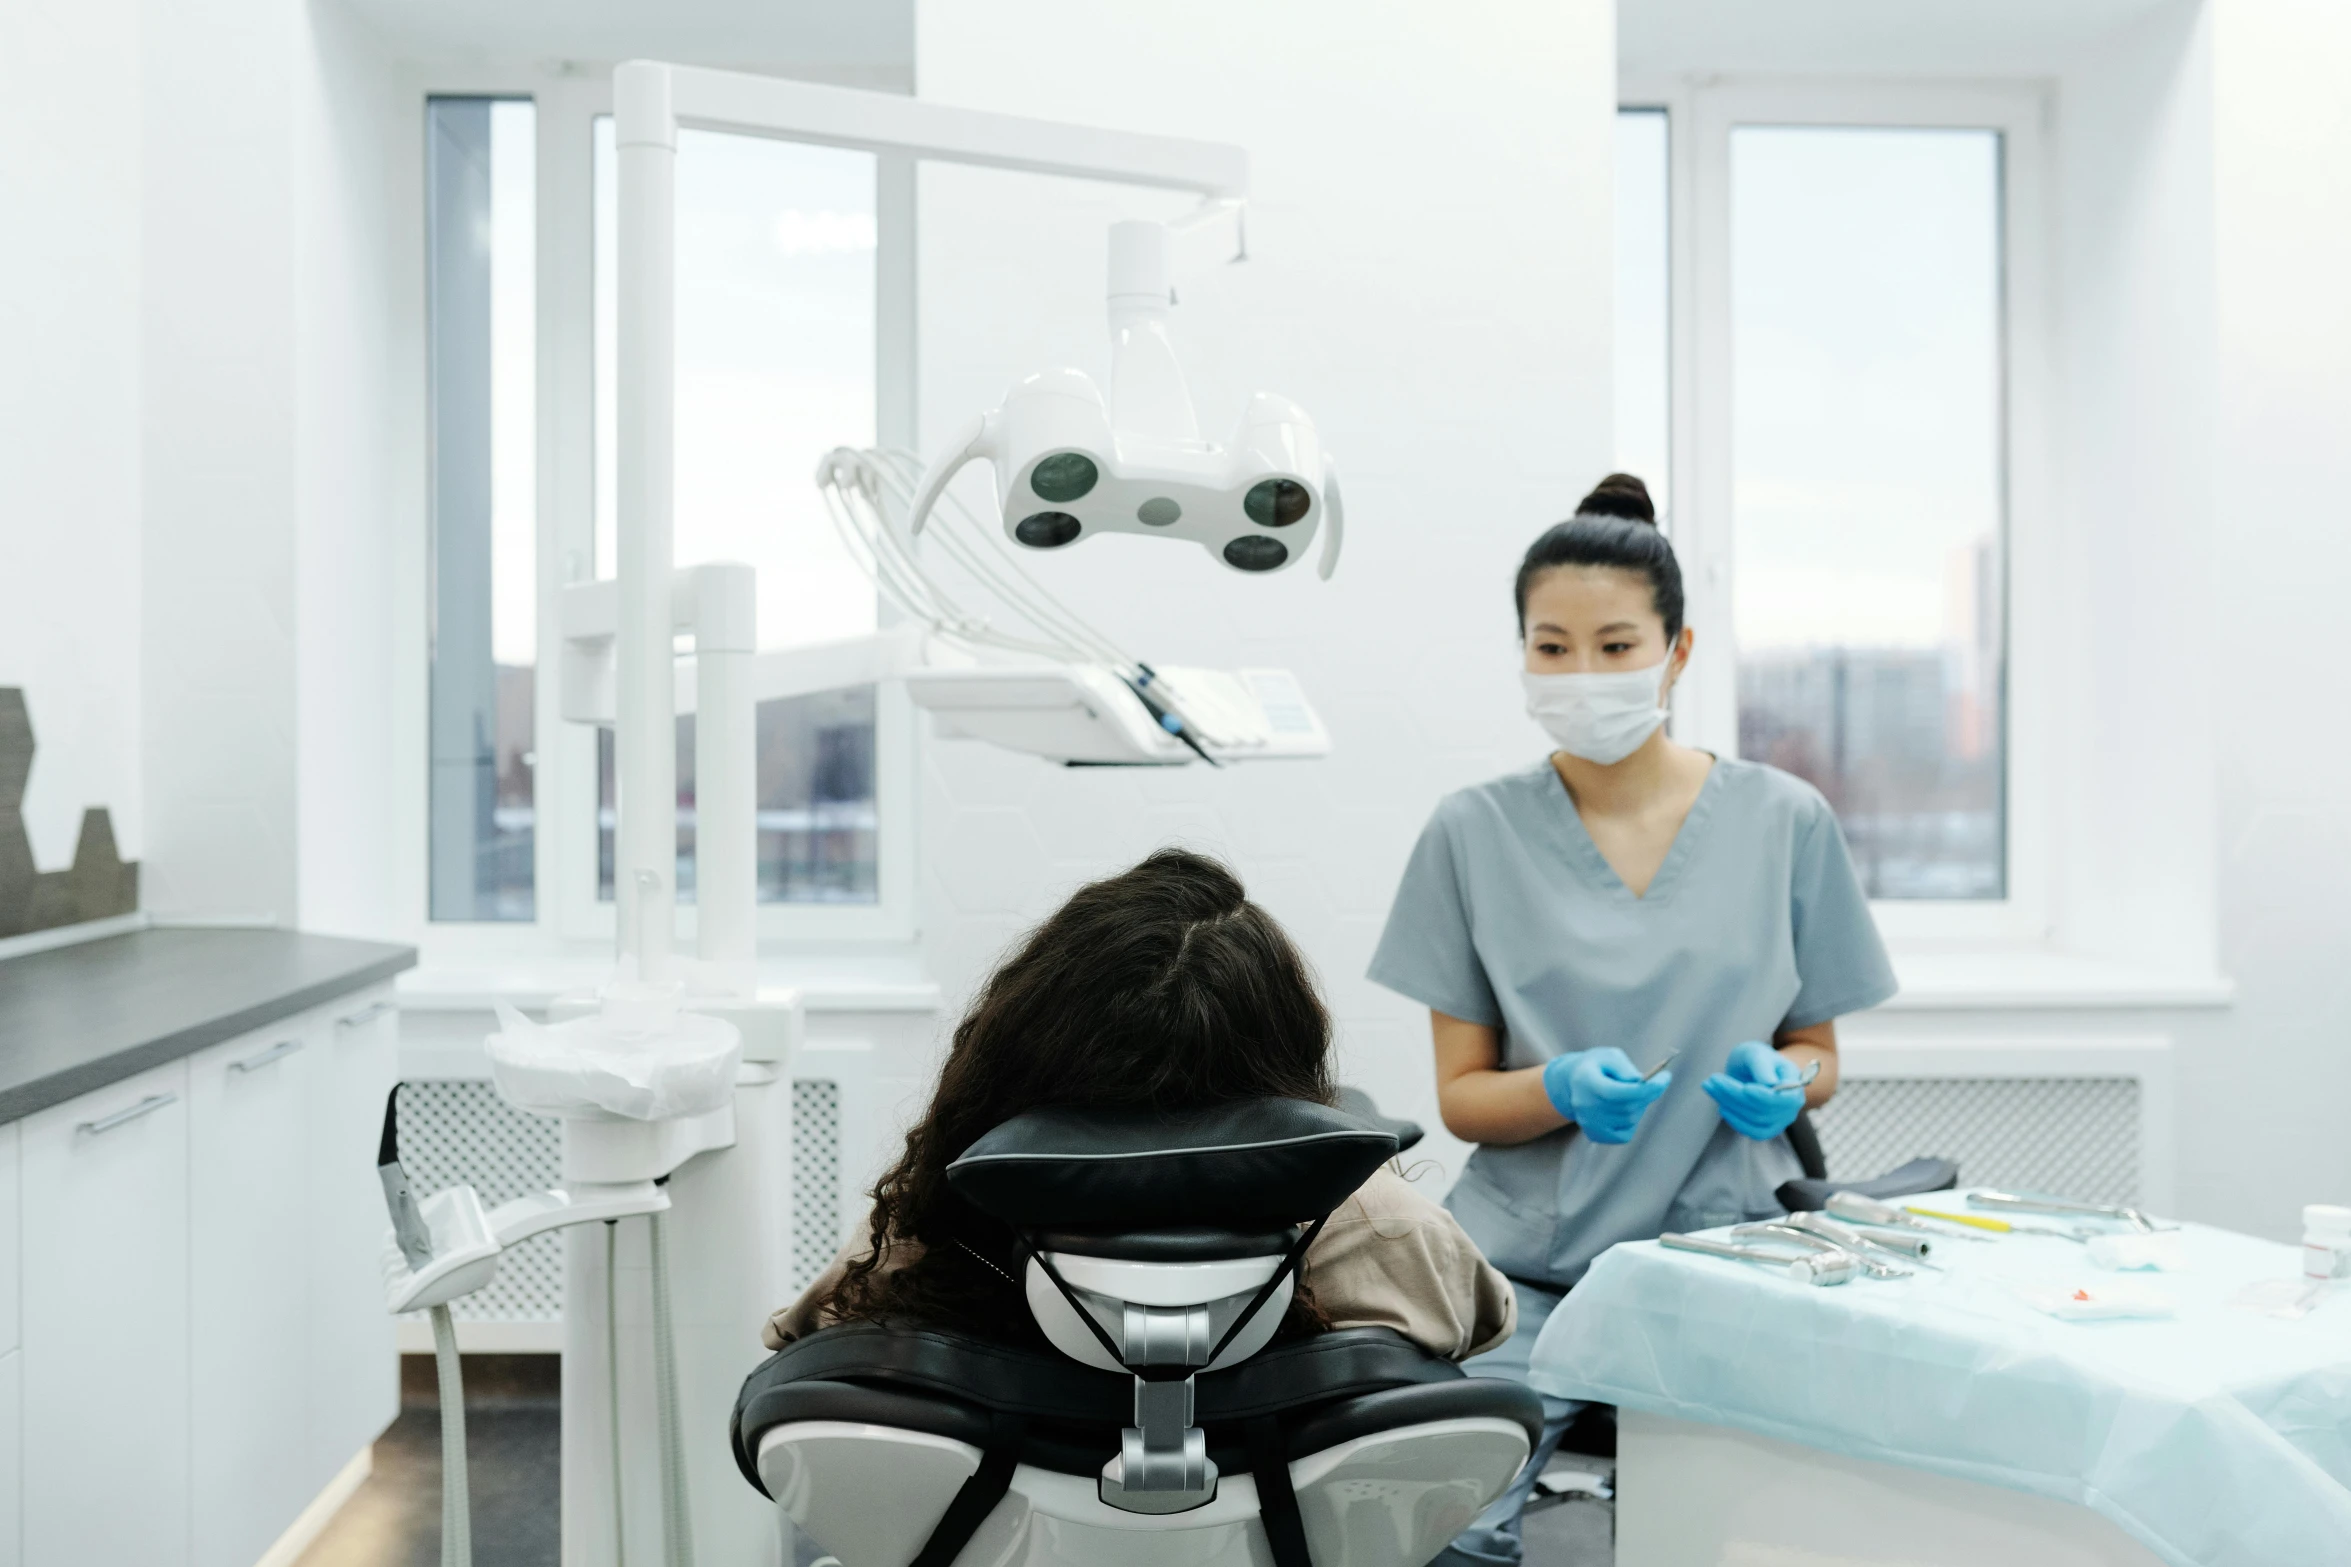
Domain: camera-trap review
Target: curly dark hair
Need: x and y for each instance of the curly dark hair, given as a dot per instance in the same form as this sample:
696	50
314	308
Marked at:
1162	987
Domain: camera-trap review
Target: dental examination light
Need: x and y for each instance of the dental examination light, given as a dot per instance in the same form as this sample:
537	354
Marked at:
1000	659
1018	668
1070	464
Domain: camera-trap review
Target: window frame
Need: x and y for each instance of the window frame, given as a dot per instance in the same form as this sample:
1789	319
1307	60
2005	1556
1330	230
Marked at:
1701	114
569	912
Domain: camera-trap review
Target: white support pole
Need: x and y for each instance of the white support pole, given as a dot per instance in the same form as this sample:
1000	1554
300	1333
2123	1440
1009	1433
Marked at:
645	739
726	831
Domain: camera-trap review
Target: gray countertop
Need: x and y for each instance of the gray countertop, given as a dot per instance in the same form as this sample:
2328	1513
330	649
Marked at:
74	1019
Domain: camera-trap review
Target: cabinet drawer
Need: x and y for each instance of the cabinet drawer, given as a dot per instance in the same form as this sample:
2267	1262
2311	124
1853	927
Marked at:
105	1323
12	1459
249	1309
354	1358
11	1242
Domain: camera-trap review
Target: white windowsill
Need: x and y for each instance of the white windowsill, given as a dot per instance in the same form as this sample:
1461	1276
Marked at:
531	986
2032	979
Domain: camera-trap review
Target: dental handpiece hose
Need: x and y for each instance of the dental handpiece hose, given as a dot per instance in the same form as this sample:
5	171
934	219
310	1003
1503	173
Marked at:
456	1489
676	1518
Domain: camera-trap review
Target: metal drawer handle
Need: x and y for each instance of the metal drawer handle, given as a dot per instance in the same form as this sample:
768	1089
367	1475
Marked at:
366	1014
146	1106
270	1057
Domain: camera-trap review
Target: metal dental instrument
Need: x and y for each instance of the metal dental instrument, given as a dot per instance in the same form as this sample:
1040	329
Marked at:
1671	1056
1802	1081
1977	1221
1814	1268
1875	1267
1868	1210
1898	1244
2011	1202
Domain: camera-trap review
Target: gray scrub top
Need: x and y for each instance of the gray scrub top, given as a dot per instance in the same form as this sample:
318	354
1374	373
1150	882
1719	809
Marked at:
1509	916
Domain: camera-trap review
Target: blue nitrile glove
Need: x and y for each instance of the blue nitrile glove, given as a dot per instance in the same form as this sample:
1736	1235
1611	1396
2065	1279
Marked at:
1747	1091
1601	1091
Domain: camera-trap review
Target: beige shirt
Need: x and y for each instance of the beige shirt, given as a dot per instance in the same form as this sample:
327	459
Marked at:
1389	1258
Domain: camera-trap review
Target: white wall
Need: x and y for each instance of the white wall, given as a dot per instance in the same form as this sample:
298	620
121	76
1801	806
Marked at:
354	132
2276	631
1430	277
217	85
70	121
2134	325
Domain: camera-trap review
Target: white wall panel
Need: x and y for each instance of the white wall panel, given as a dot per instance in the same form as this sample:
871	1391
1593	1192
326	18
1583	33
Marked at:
351	252
1430	277
70	120
2265	1097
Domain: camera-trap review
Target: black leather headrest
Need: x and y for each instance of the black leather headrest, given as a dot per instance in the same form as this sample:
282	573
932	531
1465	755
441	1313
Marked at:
1260	1164
1185	1245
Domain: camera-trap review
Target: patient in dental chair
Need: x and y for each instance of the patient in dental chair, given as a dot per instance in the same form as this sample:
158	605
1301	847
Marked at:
1163	988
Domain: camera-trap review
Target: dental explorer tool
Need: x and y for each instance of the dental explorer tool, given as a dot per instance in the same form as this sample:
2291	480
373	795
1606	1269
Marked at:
1868	1210
2011	1202
1814	1268
1875	1267
1671	1056
1802	1080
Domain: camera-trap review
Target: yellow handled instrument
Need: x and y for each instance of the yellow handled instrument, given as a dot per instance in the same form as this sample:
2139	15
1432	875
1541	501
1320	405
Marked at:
1971	1220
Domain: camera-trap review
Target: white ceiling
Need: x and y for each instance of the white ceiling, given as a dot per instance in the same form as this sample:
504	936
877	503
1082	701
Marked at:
866	41
1898	37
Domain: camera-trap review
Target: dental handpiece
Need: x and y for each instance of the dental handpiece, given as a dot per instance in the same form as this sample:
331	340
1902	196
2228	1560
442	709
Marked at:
1899	1244
408	1225
2010	1202
1815	1268
1780	1229
1868	1210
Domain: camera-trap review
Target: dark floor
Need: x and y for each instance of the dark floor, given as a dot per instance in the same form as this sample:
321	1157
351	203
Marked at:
513	1419
512	1434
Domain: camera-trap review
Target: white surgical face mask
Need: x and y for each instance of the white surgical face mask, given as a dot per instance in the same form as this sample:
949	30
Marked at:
1604	717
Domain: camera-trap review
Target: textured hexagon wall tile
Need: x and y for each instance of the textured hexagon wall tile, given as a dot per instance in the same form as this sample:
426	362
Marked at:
98	886
16	750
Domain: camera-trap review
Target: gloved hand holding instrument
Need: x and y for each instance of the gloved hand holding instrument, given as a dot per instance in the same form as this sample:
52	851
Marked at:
1759	1091
1602	1091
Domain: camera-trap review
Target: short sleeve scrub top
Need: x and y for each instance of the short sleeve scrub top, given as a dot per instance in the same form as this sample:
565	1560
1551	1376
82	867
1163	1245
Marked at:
1509	916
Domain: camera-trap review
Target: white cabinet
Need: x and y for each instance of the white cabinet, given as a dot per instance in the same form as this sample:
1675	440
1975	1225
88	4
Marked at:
105	1356
193	1341
354	1361
249	1174
12	1459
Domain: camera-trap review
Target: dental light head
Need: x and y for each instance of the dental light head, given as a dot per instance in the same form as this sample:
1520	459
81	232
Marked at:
1071	463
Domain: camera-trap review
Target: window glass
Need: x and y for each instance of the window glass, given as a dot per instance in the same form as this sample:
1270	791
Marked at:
1644	284
1868	488
481	201
775	366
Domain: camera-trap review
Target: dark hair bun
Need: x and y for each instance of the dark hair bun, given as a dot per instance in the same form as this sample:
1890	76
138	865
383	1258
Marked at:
1619	495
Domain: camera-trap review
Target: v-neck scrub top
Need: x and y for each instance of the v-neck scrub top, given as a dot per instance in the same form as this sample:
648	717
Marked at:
1509	916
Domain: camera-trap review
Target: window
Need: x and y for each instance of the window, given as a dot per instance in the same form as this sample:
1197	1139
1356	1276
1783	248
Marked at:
1852	279
776	365
1866	487
481	259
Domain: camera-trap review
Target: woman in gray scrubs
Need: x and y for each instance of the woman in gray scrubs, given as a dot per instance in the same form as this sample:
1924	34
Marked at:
1627	902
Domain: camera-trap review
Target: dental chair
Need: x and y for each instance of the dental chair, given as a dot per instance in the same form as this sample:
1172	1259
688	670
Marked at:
1164	1427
